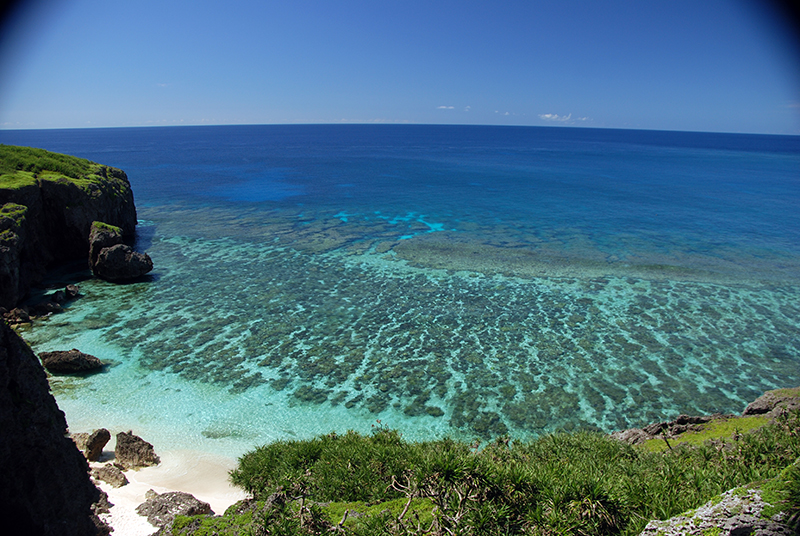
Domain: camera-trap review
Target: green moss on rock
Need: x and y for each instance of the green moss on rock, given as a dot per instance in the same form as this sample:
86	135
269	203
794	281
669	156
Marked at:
99	225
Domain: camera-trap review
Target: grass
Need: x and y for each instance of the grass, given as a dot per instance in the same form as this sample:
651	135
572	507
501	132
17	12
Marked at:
582	483
716	429
788	392
106	227
34	161
24	166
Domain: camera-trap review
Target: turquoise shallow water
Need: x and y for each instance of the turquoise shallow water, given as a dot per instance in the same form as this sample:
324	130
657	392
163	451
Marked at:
462	287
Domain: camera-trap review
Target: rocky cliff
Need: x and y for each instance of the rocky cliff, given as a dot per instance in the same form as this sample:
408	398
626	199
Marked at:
44	481
48	202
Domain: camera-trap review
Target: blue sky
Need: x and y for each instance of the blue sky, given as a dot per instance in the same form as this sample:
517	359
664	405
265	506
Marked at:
709	65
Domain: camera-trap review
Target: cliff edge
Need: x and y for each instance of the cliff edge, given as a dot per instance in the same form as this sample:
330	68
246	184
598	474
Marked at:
44	480
48	202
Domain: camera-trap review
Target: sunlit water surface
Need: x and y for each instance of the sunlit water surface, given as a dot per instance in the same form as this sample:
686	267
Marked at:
463	281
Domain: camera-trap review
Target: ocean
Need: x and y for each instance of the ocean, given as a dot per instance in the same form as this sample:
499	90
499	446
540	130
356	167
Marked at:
463	281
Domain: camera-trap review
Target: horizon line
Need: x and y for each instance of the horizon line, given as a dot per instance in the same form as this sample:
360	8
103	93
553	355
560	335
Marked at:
374	123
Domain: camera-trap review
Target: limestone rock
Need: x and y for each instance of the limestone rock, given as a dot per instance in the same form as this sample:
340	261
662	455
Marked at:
773	402
161	510
634	436
683	423
49	492
133	452
103	505
92	444
110	473
18	315
120	262
69	361
737	512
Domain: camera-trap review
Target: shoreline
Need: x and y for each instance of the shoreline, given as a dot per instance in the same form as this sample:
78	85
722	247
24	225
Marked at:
203	475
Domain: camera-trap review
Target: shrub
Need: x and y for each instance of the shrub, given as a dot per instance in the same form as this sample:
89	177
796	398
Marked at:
583	483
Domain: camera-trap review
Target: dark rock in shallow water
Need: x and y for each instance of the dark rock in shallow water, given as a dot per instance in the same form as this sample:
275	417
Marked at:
133	452
111	259
72	291
120	262
53	303
18	315
162	509
45	487
69	361
102	236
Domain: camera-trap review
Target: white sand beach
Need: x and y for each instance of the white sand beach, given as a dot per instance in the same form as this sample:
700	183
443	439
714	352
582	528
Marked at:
203	475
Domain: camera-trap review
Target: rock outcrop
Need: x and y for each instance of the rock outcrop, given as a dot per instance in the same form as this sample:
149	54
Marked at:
772	403
45	487
70	361
110	473
45	217
111	259
669	429
737	512
133	452
92	444
161	510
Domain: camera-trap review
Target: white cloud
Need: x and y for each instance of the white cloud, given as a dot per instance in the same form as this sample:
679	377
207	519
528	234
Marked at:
555	117
373	120
562	118
467	108
445	107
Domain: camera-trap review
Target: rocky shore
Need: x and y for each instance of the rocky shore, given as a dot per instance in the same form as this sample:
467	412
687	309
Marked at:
48	203
53	208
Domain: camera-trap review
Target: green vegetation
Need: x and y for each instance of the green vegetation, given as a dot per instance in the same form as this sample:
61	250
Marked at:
582	483
106	227
716	429
788	392
12	217
23	166
35	161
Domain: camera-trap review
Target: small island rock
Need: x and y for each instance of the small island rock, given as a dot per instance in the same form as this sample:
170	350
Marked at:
111	259
133	452
69	361
120	262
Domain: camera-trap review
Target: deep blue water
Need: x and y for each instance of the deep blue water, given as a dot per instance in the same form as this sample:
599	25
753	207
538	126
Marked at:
461	280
